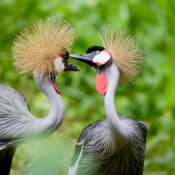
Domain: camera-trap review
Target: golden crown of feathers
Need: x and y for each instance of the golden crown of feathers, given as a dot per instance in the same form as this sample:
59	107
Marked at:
36	47
125	52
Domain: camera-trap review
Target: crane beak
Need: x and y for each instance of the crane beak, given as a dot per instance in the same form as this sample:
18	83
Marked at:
70	67
86	58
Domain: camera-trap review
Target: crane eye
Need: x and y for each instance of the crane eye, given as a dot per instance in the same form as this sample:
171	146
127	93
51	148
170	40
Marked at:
65	57
97	52
64	60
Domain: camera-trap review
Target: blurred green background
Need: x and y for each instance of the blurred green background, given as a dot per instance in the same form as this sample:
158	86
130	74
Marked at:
151	98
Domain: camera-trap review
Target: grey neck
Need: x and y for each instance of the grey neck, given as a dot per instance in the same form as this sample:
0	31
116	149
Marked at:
113	119
54	119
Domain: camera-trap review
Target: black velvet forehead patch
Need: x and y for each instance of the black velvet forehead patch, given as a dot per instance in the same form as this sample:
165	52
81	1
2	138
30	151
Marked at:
94	48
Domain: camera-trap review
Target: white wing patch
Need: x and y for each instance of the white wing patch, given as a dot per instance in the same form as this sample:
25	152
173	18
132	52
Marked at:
73	169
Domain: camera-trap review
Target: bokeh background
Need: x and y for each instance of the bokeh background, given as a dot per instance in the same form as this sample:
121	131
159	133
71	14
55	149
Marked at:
150	98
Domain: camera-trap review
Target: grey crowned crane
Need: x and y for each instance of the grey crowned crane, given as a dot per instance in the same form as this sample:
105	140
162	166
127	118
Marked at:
40	50
114	145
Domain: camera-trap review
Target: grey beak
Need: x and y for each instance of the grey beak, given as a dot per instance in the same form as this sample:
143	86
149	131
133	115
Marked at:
70	67
86	58
81	57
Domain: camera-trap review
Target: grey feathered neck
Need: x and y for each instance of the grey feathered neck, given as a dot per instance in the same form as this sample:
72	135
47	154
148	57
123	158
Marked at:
53	120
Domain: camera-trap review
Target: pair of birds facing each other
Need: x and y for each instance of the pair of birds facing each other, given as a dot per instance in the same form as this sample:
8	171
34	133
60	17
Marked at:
113	146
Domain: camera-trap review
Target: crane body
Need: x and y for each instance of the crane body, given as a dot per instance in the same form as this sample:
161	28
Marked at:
41	51
114	145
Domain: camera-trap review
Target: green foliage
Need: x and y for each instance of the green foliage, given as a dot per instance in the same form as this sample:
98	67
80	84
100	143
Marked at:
150	98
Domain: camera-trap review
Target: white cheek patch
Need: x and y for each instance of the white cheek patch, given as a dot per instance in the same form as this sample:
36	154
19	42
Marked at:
59	66
101	58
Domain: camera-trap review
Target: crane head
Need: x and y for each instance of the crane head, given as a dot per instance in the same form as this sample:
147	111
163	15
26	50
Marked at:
61	64
99	58
96	56
42	48
119	48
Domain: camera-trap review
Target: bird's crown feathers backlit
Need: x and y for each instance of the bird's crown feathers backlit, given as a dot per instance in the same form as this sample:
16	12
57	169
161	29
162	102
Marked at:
126	53
37	46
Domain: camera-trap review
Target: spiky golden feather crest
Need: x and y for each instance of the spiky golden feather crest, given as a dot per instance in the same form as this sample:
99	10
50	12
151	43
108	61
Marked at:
125	52
36	47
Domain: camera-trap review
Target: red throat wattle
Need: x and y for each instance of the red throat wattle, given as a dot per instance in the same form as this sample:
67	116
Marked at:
101	83
55	86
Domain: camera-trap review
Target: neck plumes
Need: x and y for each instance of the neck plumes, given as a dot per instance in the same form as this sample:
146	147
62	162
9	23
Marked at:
115	125
54	119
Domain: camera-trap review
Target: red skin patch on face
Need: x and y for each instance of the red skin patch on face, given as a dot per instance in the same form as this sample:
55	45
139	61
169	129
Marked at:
55	86
101	83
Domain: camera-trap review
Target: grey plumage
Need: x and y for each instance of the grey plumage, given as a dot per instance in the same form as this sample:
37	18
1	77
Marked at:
14	115
18	125
13	106
16	122
101	157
